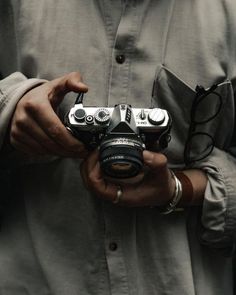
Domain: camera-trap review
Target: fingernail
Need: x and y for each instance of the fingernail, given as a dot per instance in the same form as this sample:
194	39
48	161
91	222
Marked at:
148	156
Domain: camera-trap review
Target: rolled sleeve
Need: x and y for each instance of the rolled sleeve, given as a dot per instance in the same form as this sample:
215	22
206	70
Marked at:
218	220
12	89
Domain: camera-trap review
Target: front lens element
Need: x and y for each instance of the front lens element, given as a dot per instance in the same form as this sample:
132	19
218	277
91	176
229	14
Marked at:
121	160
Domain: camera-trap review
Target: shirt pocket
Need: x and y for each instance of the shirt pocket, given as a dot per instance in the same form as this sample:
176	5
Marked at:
172	93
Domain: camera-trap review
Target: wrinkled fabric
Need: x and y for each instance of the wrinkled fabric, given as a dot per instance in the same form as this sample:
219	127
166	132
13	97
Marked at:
55	236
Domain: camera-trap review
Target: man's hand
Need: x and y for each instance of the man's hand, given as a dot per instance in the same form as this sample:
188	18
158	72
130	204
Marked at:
36	128
155	189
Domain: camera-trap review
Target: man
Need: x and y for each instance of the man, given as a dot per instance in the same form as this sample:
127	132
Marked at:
64	235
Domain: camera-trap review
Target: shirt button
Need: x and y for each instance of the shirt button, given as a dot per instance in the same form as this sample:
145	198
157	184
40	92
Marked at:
120	58
113	246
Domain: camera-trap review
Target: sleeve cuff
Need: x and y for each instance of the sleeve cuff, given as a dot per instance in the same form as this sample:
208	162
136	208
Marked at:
12	89
218	221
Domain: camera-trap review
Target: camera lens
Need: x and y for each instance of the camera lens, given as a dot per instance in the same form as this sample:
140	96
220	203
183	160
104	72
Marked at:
121	157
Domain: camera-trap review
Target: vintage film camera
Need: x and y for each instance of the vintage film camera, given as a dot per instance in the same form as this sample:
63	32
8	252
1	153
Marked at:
121	133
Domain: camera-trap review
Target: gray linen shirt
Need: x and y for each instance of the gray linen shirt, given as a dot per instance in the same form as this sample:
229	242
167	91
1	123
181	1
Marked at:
57	238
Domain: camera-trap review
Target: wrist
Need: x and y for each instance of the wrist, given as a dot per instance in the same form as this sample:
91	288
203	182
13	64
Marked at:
187	189
194	182
176	196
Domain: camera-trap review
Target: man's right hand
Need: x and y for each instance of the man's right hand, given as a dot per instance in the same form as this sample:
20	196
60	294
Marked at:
36	128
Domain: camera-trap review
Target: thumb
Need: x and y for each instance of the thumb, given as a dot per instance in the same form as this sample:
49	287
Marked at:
155	161
63	85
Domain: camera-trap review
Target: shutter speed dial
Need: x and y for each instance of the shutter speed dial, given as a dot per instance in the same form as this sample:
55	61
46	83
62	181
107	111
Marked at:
102	116
156	116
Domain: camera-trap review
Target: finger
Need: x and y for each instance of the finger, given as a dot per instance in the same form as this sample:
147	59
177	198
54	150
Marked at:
35	146
94	180
138	195
159	171
25	126
145	192
159	177
107	190
65	84
157	162
26	129
88	165
85	167
27	145
49	122
100	186
83	174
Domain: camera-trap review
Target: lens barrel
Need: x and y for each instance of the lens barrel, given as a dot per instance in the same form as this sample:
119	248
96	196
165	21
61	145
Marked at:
121	157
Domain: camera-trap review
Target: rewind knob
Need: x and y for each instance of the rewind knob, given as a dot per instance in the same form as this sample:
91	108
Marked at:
79	115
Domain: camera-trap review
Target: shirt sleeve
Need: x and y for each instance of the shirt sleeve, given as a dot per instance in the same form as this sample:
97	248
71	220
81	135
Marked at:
218	219
12	88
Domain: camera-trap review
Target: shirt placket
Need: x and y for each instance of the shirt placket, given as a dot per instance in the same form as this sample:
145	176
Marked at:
122	53
122	44
114	252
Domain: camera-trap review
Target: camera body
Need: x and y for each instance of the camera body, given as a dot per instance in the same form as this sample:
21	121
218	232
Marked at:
121	133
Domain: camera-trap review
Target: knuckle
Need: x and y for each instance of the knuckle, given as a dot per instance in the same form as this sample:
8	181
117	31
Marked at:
92	181
13	143
91	177
73	147
21	122
162	160
75	75
29	105
50	145
12	139
14	134
54	131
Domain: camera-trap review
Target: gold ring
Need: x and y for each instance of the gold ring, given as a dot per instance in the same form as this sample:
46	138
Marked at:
118	195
